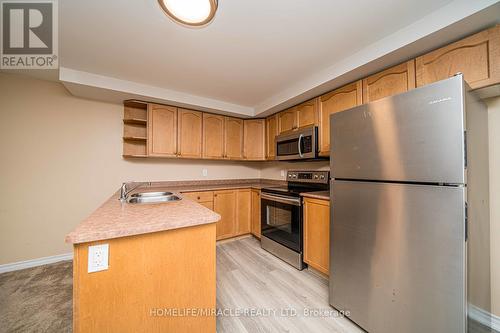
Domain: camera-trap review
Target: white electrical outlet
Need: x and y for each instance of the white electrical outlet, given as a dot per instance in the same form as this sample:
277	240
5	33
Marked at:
98	258
282	173
204	172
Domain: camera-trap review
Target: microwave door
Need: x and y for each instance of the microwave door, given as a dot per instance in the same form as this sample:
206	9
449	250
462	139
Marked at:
297	144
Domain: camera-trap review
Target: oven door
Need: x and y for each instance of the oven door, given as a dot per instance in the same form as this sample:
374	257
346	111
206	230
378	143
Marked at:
295	145
281	220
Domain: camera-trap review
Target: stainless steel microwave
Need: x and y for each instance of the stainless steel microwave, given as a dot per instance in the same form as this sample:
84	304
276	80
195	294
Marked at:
297	144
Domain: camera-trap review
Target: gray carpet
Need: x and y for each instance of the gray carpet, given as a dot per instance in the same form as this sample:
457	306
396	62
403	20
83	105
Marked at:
37	299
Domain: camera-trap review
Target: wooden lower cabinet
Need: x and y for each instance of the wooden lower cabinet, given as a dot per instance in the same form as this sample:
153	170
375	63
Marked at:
255	214
234	207
225	206
317	234
173	269
243	206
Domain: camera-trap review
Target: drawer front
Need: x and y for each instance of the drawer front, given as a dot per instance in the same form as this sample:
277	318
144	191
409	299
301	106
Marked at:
200	196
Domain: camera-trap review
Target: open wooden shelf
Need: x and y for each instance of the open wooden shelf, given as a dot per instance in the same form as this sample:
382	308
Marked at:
134	156
135	129
135	121
135	138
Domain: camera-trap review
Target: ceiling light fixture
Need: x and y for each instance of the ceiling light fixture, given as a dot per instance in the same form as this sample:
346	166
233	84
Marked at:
190	12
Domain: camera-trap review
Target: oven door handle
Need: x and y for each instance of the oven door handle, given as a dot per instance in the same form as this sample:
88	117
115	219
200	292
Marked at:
300	144
281	199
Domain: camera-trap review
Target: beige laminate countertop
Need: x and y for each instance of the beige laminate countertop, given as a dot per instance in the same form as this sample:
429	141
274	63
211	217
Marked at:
323	195
115	219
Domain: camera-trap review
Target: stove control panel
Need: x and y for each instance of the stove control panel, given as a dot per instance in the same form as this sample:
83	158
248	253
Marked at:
303	176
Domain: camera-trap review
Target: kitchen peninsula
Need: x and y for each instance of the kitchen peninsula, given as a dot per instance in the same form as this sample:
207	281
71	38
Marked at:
161	257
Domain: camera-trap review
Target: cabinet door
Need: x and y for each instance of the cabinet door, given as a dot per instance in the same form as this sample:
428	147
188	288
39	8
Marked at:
233	139
317	233
254	139
307	113
162	130
477	57
335	101
392	81
256	213
189	131
225	206
271	132
244	205
213	136
287	120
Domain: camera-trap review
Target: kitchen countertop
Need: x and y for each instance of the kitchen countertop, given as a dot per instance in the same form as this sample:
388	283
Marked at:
115	219
324	195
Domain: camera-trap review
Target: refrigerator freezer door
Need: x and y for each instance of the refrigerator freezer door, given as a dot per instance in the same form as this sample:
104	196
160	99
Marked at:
417	136
397	256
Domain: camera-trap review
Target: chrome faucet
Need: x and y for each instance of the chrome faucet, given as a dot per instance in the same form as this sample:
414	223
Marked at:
124	190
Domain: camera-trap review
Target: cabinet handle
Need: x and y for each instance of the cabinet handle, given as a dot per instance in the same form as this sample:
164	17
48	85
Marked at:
199	198
215	195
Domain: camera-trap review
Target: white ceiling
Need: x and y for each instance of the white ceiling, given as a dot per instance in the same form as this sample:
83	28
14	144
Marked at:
256	55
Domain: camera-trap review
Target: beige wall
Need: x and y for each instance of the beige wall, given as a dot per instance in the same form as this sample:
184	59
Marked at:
61	158
494	147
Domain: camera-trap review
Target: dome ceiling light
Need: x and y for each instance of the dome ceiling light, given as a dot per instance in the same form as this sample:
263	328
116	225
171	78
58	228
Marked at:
190	12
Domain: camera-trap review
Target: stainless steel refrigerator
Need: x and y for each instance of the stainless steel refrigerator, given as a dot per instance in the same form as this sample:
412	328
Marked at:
409	222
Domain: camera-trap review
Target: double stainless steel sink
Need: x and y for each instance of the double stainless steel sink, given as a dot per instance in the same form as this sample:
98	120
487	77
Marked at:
152	197
144	197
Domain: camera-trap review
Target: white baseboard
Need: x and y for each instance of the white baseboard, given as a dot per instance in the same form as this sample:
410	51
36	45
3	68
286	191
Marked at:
15	266
484	317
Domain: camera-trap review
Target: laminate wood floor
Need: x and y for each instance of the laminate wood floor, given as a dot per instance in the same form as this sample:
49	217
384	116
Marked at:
281	297
39	299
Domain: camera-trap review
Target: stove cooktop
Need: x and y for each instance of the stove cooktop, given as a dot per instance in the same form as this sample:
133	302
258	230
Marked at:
302	181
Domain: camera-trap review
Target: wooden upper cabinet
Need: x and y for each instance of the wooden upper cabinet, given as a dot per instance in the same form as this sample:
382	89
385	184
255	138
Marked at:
225	206
477	57
233	138
213	136
307	113
338	100
254	142
162	130
271	132
287	120
189	129
392	81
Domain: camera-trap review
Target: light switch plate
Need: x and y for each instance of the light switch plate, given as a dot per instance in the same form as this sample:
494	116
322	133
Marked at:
204	172
98	258
282	173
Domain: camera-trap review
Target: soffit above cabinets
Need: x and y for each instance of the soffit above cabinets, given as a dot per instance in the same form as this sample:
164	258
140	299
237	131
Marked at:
256	57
